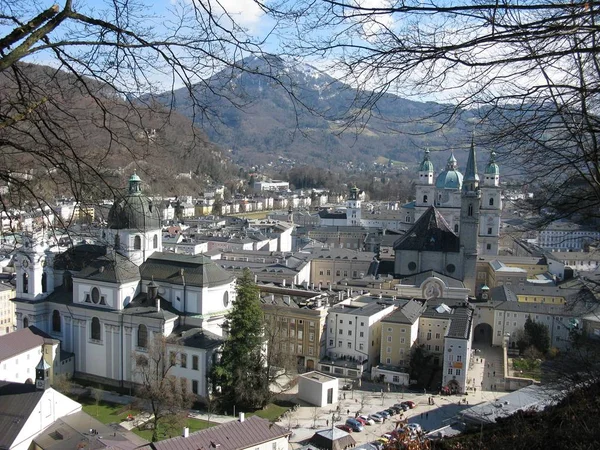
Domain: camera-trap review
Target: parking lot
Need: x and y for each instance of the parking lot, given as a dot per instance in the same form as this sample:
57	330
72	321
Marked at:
306	420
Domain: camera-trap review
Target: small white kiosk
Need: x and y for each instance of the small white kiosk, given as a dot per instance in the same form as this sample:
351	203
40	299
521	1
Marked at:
317	388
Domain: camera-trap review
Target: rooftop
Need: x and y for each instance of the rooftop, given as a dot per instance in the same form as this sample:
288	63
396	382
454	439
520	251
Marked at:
430	233
17	402
20	341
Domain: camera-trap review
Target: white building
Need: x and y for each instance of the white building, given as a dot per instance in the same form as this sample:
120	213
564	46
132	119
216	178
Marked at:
271	185
566	236
103	302
26	411
353	336
318	389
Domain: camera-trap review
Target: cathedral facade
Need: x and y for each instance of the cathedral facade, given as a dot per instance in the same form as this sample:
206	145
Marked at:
445	193
107	302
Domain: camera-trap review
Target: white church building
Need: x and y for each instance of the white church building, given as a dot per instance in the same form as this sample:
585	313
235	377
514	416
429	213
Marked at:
105	302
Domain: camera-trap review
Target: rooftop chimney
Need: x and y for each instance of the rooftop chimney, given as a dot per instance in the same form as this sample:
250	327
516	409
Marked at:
186	432
242	417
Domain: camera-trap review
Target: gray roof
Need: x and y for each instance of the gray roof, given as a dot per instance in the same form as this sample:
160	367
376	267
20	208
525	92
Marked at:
20	341
332	439
234	435
458	313
17	402
418	279
324	214
134	211
341	253
359	308
111	268
196	338
430	233
76	258
142	306
409	313
197	270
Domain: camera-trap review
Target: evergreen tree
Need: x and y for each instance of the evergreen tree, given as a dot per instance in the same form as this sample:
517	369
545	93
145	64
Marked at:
239	373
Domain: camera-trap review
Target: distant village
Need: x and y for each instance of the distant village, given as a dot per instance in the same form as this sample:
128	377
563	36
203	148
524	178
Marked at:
358	286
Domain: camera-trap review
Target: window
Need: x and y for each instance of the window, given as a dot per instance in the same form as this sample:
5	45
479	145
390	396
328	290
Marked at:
311	337
25	322
142	336
183	360
340	331
349	332
459	358
362	324
396	379
195	386
424	199
299	348
300	334
429	335
155	241
491	202
341	320
456	228
389	339
137	243
56	321
388	360
361	346
96	331
437	348
412	266
320	272
337	273
437	335
349	344
25	283
449	371
429	347
95	295
194	362
388	349
402	340
457	372
328	272
349	322
331	342
44	282
339	343
470	210
310	351
489	230
499	333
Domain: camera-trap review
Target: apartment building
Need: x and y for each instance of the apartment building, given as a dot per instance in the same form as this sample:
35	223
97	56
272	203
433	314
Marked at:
329	266
7	309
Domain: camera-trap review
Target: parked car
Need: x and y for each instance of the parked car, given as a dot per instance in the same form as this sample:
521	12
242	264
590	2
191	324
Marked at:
391	411
362	421
367	419
378	418
415	427
354	424
397	409
388	436
384	414
410	404
346	428
346	387
383	440
405	406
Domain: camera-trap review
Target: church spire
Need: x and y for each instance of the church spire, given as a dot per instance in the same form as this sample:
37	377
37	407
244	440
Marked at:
471	179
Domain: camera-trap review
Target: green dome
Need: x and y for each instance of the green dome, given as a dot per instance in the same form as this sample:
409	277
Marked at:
449	179
134	210
426	164
492	168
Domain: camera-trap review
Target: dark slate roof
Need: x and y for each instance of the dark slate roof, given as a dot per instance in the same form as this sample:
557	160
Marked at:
134	211
20	341
332	438
196	338
17	402
76	258
235	435
197	270
325	214
459	314
112	268
431	233
142	306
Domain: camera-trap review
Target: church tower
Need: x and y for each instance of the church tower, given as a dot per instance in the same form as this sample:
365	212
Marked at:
425	189
491	209
353	205
469	219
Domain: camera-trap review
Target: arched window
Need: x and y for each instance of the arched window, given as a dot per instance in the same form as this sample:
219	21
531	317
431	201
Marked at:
25	283
424	199
155	241
44	282
142	336
56	321
96	331
470	210
137	243
492	201
25	322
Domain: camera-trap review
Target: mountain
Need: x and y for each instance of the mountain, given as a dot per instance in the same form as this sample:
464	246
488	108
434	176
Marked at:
69	126
273	109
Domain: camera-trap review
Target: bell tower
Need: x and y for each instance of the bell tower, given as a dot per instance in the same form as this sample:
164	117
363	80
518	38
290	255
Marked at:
42	375
353	205
469	219
491	209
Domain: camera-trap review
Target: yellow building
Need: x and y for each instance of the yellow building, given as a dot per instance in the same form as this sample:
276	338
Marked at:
329	266
7	309
295	320
495	271
399	331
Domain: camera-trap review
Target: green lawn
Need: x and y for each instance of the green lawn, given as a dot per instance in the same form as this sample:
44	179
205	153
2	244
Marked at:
104	412
527	368
107	413
271	412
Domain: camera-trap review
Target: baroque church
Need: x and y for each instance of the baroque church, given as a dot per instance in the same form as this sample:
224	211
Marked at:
455	219
106	302
446	195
